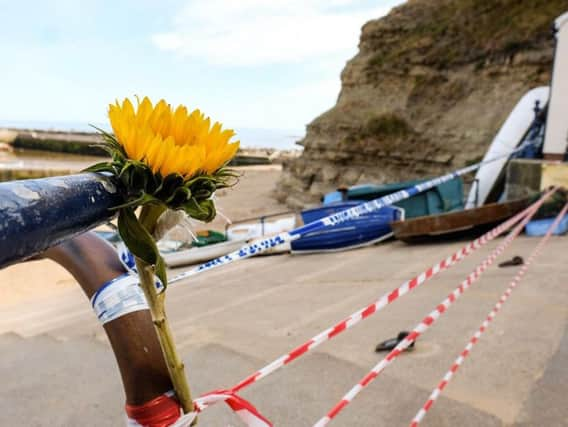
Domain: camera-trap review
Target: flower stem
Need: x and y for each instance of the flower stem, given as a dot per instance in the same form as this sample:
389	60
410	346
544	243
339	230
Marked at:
156	302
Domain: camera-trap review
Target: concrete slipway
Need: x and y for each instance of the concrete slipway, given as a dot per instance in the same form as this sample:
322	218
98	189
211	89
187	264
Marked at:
58	370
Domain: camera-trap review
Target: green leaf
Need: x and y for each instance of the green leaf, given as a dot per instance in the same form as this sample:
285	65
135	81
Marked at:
139	201
181	196
140	178
203	194
100	167
108	137
109	150
204	211
153	183
140	242
169	185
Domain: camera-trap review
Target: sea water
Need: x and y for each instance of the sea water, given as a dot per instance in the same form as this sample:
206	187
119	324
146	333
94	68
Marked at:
280	139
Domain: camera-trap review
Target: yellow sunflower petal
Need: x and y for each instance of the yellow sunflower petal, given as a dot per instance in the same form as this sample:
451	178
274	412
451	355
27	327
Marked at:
170	155
144	110
171	140
127	108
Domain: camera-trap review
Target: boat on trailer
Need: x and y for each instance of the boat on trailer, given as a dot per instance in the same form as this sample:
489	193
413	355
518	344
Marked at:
455	225
445	197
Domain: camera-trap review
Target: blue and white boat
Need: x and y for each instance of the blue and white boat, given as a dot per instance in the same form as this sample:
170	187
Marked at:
364	230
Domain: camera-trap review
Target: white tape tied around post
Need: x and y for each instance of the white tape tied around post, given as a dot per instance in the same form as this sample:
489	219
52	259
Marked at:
118	297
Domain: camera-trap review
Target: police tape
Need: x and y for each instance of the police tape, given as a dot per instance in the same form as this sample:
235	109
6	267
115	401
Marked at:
268	243
406	287
382	302
474	339
427	321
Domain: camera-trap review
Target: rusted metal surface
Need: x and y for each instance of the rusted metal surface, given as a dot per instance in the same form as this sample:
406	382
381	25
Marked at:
456	224
36	214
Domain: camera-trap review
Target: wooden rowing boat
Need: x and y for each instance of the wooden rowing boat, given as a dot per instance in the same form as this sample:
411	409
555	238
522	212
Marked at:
454	225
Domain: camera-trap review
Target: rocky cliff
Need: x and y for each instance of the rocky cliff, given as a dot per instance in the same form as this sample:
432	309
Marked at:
428	90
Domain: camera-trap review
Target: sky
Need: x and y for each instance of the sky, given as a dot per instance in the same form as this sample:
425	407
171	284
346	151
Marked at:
271	64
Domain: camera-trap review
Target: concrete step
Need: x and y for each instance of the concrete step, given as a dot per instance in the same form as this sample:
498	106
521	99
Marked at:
49	309
76	383
49	383
8	340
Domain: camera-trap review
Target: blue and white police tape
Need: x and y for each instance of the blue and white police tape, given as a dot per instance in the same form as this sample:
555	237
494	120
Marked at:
118	297
126	258
129	263
263	245
337	218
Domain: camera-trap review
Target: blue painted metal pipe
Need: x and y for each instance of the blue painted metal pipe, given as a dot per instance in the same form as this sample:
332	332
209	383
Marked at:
36	214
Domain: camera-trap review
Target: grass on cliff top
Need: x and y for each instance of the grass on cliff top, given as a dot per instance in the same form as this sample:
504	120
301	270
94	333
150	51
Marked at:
453	32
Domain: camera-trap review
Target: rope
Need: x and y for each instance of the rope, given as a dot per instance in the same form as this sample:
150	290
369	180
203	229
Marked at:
428	320
474	339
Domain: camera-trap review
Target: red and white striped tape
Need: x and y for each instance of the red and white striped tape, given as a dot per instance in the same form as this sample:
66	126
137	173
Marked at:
448	377
403	289
362	314
427	321
245	410
376	306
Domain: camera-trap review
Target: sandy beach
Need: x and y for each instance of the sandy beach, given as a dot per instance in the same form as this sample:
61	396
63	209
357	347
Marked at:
251	197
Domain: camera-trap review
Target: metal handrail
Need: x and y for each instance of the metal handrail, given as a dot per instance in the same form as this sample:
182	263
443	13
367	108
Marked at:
36	214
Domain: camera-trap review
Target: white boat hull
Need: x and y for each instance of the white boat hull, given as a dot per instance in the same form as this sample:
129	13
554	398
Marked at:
556	136
202	254
507	139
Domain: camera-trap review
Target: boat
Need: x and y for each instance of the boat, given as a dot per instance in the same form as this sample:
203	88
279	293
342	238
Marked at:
486	186
556	123
253	230
266	225
208	237
196	255
445	197
455	225
364	230
213	244
206	245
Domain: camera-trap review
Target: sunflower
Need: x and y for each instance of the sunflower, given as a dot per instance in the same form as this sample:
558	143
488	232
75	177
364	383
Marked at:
167	157
171	141
163	158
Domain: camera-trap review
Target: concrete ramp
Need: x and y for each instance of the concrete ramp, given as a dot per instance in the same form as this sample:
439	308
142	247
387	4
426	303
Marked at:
51	383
